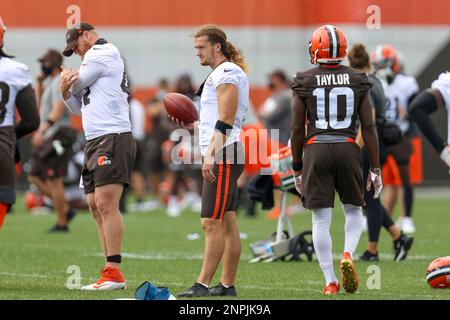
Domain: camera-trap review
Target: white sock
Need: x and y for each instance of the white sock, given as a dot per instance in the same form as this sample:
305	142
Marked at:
205	285
353	227
321	219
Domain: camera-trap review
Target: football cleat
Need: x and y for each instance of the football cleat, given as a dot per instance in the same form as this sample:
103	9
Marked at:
328	45
401	247
348	272
438	273
369	256
221	290
111	279
331	288
197	290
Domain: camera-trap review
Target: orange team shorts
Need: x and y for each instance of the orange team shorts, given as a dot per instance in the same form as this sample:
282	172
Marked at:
390	173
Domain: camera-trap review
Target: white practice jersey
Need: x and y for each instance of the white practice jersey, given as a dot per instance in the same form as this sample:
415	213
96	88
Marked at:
226	72
102	90
397	94
14	76
443	85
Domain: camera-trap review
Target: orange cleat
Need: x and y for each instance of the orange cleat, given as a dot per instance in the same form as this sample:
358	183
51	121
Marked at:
111	279
348	271
331	288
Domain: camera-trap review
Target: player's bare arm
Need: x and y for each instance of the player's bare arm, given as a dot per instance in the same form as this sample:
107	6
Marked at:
68	77
370	137
298	138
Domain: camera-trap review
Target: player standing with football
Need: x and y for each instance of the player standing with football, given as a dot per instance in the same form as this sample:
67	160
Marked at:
15	90
329	98
223	108
99	90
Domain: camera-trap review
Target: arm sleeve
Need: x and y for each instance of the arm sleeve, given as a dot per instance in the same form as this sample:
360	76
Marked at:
73	104
89	71
420	109
26	106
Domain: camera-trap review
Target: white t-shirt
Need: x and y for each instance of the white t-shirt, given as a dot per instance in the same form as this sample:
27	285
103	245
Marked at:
226	72
137	119
398	94
443	85
14	76
100	92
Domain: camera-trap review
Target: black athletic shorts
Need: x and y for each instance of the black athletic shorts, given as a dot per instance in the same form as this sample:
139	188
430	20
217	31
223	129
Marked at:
47	162
108	160
221	196
7	165
332	166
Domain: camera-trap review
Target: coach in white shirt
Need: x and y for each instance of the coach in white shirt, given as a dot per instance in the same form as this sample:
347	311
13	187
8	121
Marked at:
99	90
223	108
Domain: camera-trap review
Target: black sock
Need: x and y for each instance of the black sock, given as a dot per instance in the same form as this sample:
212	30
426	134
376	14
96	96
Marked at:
408	198
115	259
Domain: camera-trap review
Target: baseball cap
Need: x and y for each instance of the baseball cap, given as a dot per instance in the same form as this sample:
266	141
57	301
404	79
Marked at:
72	36
52	56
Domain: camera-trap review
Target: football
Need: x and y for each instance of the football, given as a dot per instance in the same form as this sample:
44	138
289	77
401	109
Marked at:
438	273
180	107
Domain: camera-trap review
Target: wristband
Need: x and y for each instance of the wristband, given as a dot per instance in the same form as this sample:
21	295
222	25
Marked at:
223	127
297	166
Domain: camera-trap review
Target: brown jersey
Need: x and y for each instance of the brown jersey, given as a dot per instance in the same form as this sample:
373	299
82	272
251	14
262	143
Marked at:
332	97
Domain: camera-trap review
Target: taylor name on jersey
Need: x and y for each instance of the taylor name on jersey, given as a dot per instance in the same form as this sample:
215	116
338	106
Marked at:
333	79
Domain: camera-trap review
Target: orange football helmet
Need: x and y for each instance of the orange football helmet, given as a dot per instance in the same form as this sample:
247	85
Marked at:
328	45
438	273
2	31
385	56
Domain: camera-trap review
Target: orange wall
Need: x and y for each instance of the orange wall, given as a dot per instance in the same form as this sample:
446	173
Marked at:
276	13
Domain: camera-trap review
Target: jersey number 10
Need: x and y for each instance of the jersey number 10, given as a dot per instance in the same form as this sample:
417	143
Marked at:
334	123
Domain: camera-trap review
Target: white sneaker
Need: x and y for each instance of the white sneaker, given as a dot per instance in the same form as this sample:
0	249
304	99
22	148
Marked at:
188	199
408	225
137	207
152	205
107	285
399	223
173	208
197	205
111	279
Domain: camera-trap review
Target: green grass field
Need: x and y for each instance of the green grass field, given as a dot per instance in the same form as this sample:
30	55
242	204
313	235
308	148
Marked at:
34	264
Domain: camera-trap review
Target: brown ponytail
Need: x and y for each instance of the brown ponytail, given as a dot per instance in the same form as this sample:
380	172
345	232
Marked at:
359	57
217	35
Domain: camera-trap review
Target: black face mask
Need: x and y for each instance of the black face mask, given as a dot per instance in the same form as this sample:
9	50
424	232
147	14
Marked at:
47	70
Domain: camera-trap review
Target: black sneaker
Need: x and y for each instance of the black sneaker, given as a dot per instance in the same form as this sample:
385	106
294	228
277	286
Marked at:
369	256
197	290
221	290
401	247
58	228
70	214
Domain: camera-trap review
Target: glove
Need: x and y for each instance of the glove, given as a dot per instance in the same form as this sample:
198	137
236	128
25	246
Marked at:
375	179
298	183
445	155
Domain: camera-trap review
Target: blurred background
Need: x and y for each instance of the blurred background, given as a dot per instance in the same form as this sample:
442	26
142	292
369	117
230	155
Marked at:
155	39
